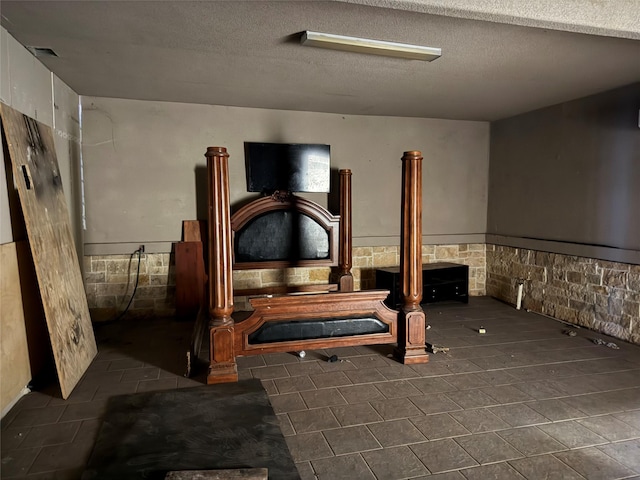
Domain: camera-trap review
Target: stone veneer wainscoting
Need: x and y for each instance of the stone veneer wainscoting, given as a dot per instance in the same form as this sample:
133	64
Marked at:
110	278
601	295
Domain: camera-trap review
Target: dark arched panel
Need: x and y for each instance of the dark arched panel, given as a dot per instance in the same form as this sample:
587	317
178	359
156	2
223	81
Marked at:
282	235
281	232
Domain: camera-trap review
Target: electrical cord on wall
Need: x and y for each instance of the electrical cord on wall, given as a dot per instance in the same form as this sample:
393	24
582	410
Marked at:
135	287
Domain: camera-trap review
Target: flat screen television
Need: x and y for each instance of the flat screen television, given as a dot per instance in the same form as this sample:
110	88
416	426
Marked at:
293	167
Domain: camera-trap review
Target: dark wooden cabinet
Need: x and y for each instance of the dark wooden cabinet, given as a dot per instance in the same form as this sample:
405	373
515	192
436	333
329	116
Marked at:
440	282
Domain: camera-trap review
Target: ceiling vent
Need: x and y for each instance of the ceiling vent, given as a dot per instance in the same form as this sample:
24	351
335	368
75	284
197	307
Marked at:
42	51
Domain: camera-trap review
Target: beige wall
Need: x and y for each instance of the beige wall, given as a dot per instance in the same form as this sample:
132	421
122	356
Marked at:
29	87
145	173
144	159
565	178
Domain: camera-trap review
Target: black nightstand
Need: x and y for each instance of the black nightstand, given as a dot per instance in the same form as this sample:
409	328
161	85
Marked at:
440	282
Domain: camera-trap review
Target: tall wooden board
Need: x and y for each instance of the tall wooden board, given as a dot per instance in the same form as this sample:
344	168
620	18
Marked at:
15	370
37	177
190	279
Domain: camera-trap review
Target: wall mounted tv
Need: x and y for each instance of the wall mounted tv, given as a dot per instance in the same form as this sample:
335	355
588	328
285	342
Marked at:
293	167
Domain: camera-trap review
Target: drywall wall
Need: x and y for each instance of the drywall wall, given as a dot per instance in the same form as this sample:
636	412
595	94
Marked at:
144	168
565	178
66	135
26	86
6	229
29	87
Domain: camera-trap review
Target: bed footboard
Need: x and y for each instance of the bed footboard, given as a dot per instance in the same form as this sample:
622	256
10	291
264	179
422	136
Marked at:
303	322
307	322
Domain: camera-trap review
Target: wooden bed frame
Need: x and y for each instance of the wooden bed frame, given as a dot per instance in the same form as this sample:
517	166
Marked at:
318	316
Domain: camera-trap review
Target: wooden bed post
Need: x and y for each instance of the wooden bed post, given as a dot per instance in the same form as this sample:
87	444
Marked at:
345	280
411	320
222	360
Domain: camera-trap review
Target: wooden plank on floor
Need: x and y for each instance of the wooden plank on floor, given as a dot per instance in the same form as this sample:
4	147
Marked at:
229	474
37	178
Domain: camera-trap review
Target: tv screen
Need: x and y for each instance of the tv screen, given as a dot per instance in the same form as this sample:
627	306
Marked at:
293	167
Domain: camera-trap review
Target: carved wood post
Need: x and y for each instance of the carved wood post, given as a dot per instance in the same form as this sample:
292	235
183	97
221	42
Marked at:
345	281
222	361
411	321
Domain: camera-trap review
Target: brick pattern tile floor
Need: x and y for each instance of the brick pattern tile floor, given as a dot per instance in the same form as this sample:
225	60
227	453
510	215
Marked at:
523	400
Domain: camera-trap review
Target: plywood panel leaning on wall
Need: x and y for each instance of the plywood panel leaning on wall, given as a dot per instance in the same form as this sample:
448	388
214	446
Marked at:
37	178
14	355
24	340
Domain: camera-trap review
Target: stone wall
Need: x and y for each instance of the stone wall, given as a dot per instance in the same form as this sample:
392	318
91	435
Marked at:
110	281
601	295
110	278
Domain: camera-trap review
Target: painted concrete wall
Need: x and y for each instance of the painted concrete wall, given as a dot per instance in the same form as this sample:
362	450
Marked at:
27	86
565	178
145	168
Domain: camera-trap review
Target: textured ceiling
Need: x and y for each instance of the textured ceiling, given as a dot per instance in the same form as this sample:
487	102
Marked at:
246	53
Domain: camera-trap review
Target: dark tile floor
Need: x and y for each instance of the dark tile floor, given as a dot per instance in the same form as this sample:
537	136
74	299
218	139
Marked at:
524	400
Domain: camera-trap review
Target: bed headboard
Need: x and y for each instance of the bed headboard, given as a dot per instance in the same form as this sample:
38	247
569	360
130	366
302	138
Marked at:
283	231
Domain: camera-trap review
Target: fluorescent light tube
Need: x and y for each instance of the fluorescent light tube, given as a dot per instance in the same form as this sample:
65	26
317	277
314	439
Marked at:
365	45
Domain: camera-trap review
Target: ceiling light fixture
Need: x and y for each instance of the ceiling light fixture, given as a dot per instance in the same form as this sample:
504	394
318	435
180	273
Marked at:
365	45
